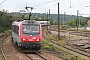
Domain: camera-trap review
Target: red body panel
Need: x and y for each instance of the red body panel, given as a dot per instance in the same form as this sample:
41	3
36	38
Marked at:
30	38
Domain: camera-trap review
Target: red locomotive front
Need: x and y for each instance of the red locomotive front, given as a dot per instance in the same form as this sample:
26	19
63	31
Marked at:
29	35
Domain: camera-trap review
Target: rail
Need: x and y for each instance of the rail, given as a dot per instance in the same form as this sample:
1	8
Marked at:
3	36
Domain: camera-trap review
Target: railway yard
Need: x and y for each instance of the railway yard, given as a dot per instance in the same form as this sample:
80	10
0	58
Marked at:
11	52
74	45
44	30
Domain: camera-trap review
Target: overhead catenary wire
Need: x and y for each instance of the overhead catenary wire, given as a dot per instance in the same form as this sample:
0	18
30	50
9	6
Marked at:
2	2
40	4
44	3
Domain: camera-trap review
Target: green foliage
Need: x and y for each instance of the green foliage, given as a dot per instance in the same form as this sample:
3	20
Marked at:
65	27
71	22
1	56
70	37
7	31
50	37
45	41
82	58
5	21
84	30
74	21
60	56
53	17
70	57
26	16
62	42
47	45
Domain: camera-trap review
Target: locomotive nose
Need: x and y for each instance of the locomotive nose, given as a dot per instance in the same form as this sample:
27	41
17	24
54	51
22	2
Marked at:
31	46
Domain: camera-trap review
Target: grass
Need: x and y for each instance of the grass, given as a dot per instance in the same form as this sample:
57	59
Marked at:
4	41
1	56
70	57
62	54
82	58
84	30
70	37
7	30
50	37
62	42
47	45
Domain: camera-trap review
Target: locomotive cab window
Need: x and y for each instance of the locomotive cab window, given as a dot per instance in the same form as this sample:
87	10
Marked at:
30	29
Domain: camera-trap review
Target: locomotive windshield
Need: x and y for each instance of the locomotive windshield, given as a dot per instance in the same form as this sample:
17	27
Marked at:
30	29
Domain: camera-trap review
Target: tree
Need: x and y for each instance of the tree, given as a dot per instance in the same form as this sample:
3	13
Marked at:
71	22
5	21
74	21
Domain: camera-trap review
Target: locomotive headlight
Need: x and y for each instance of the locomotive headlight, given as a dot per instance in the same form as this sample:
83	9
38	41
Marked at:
37	39
24	39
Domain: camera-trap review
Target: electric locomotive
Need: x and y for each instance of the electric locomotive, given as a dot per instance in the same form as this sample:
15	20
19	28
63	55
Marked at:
27	34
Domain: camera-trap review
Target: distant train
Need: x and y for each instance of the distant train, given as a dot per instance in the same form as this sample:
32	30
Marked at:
44	23
27	34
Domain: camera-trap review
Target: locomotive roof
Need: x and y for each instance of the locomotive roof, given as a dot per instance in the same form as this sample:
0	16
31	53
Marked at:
24	22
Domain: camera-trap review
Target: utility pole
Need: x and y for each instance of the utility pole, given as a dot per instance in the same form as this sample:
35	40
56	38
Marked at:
58	23
64	19
19	16
49	14
47	21
43	16
70	4
77	20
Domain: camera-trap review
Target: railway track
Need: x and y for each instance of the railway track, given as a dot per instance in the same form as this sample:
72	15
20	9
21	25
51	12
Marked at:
86	43
35	56
78	33
55	28
76	52
3	36
30	55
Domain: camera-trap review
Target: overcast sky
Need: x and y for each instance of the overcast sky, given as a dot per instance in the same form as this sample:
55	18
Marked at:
42	6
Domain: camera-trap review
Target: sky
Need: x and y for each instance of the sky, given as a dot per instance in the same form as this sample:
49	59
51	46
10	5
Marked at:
43	6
